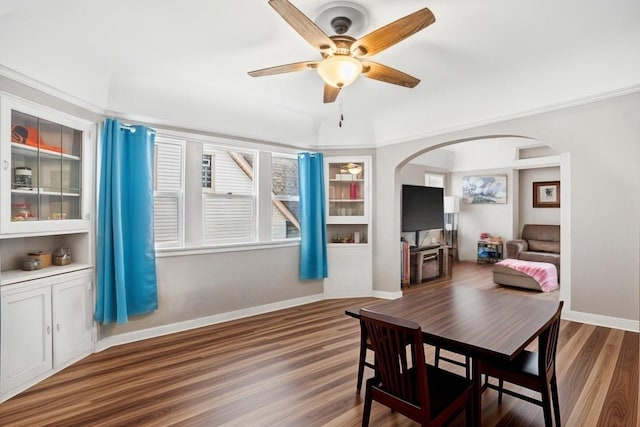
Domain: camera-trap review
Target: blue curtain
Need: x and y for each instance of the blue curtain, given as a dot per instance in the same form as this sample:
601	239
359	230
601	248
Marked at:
313	228
126	271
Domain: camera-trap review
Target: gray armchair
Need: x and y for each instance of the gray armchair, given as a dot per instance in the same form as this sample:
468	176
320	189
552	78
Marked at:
539	243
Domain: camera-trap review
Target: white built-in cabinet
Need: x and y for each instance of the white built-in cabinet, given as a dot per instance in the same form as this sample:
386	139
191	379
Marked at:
45	325
47	176
348	202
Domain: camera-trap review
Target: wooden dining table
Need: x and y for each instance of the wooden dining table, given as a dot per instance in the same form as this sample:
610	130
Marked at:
483	324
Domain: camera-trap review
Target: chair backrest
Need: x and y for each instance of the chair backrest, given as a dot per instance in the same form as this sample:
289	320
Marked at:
401	375
548	343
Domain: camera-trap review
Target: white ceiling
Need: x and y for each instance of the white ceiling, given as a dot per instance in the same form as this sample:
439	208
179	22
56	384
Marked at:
184	63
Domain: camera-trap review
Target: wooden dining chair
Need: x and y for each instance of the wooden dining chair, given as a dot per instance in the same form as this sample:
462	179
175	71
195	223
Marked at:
466	364
533	370
365	346
404	382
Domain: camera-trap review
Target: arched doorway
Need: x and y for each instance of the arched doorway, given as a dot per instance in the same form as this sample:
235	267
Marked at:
514	156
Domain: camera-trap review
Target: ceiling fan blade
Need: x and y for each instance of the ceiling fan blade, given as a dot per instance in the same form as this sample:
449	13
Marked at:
330	93
376	71
287	68
304	26
392	33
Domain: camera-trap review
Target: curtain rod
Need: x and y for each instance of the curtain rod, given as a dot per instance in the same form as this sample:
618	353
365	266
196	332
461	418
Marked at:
133	129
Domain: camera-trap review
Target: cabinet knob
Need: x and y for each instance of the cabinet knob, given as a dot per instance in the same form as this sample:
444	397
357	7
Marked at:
58	327
48	330
6	164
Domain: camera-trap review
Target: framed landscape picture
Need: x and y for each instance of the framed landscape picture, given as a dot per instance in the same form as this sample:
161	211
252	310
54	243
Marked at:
484	189
546	194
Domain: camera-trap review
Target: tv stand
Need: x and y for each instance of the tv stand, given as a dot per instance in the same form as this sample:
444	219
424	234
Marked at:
439	262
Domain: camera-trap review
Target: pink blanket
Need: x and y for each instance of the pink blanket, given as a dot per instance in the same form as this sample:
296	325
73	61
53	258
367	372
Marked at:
543	272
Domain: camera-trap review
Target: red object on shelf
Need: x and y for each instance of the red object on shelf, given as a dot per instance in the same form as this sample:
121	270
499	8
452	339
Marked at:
35	141
353	191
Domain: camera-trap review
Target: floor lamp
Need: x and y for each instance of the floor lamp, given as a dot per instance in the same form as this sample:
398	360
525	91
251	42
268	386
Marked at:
451	210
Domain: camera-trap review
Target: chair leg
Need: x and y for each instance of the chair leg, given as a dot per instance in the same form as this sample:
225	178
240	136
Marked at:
500	387
363	357
468	413
556	400
366	412
546	405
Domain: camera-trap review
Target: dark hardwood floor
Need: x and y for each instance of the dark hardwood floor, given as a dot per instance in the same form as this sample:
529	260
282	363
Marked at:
297	367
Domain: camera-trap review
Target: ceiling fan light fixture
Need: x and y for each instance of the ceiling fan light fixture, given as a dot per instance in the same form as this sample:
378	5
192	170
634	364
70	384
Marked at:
339	70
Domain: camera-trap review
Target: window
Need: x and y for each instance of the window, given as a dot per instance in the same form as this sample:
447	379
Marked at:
434	180
168	192
210	192
229	196
285	200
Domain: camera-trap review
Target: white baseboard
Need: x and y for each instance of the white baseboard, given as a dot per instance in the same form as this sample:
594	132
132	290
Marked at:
202	321
600	320
387	295
347	294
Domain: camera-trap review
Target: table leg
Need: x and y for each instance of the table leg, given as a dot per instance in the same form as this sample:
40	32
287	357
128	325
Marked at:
477	391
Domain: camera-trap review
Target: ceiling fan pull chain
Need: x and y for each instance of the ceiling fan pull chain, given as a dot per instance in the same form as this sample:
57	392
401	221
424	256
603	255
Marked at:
341	114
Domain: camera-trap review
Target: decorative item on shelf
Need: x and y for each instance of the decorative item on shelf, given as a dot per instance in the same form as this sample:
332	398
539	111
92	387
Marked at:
354	169
58	215
31	263
19	134
344	239
62	256
44	257
21	212
484	236
29	136
353	191
22	178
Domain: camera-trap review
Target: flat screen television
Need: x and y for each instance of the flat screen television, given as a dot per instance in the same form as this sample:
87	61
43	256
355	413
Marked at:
422	208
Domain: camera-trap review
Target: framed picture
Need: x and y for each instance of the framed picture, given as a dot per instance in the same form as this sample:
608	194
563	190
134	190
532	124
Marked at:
546	194
484	189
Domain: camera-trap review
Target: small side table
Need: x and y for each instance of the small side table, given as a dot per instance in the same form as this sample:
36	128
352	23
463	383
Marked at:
489	252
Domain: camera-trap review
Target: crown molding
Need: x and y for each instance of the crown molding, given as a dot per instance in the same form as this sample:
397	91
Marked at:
47	89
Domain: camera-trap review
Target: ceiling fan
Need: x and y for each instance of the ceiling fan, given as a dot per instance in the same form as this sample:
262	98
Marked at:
343	57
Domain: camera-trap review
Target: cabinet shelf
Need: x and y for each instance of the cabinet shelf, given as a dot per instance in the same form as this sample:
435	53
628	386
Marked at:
39	191
28	150
11	277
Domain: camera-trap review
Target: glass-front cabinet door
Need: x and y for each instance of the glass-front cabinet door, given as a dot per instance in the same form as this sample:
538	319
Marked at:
43	170
347	189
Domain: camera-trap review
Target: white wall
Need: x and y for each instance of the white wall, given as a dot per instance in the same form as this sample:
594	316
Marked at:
413	174
529	214
199	286
601	139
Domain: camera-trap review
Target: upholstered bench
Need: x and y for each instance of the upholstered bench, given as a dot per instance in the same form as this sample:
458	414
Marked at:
539	276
